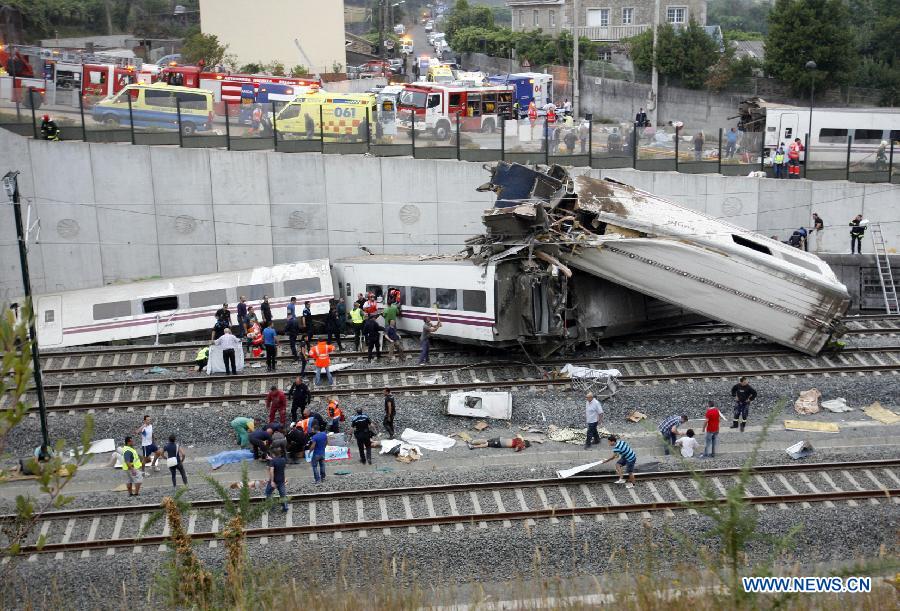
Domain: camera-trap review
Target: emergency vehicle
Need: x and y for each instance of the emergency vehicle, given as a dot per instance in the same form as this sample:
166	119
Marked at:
234	88
437	106
440	74
157	105
338	117
99	81
19	70
529	86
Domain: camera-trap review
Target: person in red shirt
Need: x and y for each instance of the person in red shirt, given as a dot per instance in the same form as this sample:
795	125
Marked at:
277	404
370	307
711	428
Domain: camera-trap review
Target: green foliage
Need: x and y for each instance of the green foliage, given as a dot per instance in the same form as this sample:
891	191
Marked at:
742	35
686	53
462	16
252	68
301	70
204	47
804	30
535	47
744	15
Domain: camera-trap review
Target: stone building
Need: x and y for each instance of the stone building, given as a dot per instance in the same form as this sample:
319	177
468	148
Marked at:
603	20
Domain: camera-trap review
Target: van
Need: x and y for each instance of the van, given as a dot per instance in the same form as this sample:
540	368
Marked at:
157	105
440	74
399	29
338	117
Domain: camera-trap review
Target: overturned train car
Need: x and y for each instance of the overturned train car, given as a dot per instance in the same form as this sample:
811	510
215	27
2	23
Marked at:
615	232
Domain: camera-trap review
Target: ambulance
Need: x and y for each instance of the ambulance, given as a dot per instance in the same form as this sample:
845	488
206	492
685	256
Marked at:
440	74
157	105
338	117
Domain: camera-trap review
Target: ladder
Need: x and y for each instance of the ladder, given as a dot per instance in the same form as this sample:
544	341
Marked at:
888	289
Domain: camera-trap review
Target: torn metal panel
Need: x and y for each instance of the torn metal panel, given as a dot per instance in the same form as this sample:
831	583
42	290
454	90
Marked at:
478	404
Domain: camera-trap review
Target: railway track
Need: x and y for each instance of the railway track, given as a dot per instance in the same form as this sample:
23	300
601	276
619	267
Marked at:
251	387
472	505
127	358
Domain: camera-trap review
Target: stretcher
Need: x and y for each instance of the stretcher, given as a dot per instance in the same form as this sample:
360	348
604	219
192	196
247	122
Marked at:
604	383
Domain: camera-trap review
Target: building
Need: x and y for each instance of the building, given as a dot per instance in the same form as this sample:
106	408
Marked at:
266	30
603	20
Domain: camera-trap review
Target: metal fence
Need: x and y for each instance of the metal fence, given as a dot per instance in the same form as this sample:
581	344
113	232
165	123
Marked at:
289	128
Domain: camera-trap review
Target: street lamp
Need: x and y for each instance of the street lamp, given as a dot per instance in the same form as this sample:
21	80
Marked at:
811	67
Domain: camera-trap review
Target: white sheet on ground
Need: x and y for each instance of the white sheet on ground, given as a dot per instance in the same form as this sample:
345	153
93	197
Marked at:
337	367
101	446
575	371
477	404
564	473
405	448
429	441
837	405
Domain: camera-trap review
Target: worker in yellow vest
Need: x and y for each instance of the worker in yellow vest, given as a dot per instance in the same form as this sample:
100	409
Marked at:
357	318
131	464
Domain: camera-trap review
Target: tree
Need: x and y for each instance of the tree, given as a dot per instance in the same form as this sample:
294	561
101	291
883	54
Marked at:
687	53
462	15
698	54
740	15
205	48
804	30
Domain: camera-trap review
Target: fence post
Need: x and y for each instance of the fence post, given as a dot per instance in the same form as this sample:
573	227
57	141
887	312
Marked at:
762	151
634	143
81	112
502	137
591	144
806	156
368	131
34	128
891	163
130	118
849	144
321	129
720	151
546	141
412	131
274	126
180	134
227	129
457	136
676	148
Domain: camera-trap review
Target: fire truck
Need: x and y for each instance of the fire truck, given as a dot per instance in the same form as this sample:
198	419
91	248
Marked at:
235	88
437	106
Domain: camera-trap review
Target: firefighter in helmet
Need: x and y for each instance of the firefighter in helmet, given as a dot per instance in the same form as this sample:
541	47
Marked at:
49	129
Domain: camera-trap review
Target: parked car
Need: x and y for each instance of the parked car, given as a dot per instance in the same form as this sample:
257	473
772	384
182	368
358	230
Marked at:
396	65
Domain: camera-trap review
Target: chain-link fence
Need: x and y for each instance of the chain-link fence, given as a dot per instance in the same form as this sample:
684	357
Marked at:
192	120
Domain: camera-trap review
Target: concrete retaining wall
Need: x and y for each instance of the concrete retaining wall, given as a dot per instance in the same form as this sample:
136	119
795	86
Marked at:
118	213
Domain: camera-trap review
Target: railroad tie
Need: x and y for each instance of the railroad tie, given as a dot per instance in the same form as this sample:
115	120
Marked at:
70	526
765	486
361	517
637	499
787	486
476	506
192	522
451	499
856	485
407	511
264	524
92	534
429	504
45	529
289	521
678	493
520	496
165	533
567	499
117	530
658	497
586	493
614	501
214	528
140	548
891	475
312	520
813	487
336	516
545	503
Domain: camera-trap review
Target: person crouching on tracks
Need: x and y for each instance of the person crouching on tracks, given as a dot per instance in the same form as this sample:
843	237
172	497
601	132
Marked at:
743	394
202	358
131	464
626	462
335	415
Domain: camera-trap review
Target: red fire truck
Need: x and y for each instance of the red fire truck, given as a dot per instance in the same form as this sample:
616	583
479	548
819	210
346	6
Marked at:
227	87
19	69
436	107
101	80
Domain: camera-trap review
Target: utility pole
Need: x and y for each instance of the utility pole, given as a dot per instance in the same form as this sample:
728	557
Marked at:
11	184
382	9
653	100
576	10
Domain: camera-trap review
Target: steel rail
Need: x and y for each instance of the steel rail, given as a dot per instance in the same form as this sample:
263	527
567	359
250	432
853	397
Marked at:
596	478
513	383
472	518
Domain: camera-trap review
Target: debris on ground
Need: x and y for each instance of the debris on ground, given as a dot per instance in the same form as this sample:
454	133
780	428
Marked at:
157	370
462	435
837	406
480	425
564	473
478	404
799	450
636	416
531	429
429	441
229	456
573	436
881	414
597	381
808	402
813	427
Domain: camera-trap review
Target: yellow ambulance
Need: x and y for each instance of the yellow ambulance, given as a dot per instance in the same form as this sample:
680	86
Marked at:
338	117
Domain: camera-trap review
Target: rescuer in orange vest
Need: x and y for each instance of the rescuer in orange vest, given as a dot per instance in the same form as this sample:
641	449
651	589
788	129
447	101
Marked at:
320	353
532	112
335	416
551	115
794	158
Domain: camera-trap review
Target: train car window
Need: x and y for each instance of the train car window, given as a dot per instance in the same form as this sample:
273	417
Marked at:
161	304
474	301
349	291
895	134
255	292
114	309
49	316
829	134
376	290
302	286
199	299
751	244
420	297
446	299
867	136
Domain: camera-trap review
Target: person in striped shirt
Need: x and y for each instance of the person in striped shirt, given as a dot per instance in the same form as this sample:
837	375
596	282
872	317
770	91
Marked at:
627	460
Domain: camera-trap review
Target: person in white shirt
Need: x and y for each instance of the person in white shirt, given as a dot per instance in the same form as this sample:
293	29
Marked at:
593	412
688	444
229	343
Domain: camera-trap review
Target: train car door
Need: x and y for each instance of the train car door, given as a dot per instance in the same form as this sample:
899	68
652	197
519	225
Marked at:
49	320
788	128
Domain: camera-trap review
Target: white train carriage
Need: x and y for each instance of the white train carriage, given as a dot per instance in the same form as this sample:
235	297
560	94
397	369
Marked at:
176	305
456	290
